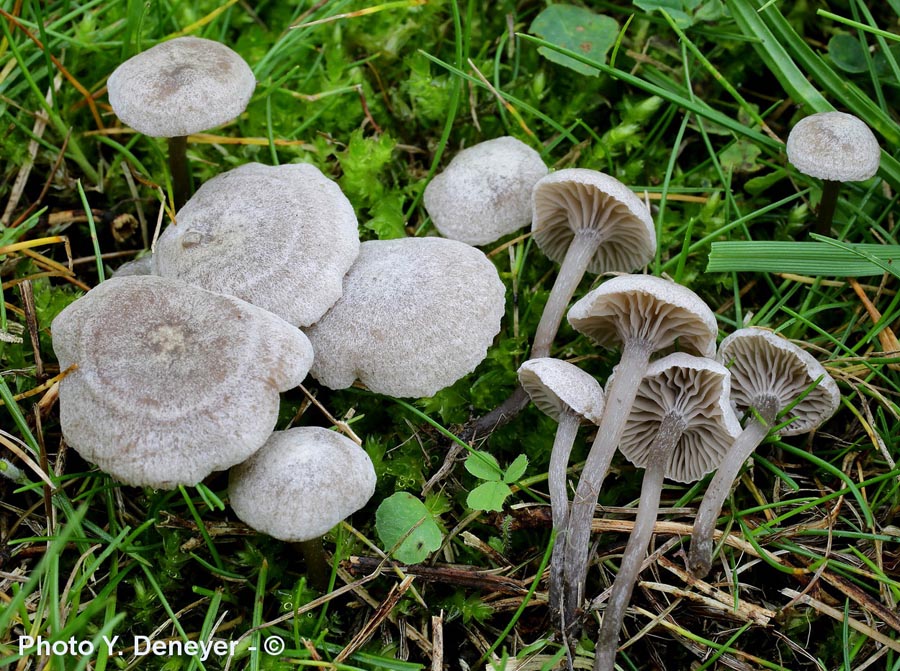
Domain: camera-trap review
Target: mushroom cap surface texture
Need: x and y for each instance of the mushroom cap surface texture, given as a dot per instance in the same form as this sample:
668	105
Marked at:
485	191
764	364
182	86
416	315
557	386
172	382
576	198
834	146
280	237
141	266
696	390
649	309
301	483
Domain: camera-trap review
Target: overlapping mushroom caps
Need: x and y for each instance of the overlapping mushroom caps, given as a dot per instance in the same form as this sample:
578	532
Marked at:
485	191
172	382
416	315
280	237
769	375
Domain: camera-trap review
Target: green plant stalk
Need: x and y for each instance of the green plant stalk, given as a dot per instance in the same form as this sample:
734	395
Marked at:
98	257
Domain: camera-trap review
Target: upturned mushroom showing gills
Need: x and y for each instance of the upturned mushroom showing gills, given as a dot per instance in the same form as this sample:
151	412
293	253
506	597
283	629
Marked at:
572	397
485	191
643	315
182	86
172	382
416	315
680	426
280	237
835	147
768	375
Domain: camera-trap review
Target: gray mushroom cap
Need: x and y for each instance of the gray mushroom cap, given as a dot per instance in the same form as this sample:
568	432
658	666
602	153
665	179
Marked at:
182	86
696	390
764	364
485	191
416	315
568	200
172	382
280	237
301	483
557	386
141	266
834	146
646	308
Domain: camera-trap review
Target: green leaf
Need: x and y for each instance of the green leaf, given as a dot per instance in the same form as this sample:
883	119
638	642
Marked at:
741	156
674	8
804	258
579	30
488	496
847	53
516	469
387	218
362	164
406	528
483	466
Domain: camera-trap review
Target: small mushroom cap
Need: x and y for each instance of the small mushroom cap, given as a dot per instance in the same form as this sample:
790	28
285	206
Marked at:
301	483
280	237
179	87
834	146
416	315
695	390
558	386
141	266
485	191
568	200
764	364
172	382
642	307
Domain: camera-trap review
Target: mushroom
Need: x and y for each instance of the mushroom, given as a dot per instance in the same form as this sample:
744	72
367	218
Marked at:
182	86
769	375
300	484
171	382
572	397
416	315
835	147
279	237
680	426
485	191
141	266
643	315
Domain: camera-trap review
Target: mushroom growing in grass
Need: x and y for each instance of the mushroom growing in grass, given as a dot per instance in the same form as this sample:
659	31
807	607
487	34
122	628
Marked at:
835	147
172	382
572	397
182	86
643	315
299	485
769	376
679	428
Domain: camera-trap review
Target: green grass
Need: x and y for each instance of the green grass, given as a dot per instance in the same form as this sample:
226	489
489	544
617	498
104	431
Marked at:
690	109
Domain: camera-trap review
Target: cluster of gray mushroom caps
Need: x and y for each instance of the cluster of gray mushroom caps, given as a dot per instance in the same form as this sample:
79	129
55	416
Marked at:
177	363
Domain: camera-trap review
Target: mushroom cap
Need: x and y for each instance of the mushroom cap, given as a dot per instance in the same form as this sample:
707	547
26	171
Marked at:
485	191
764	364
648	308
834	146
416	315
182	86
569	200
280	237
301	483
694	389
141	266
173	382
557	386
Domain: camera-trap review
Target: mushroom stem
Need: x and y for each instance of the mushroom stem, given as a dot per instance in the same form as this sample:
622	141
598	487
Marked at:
178	167
566	432
623	387
667	437
581	250
700	558
827	206
318	569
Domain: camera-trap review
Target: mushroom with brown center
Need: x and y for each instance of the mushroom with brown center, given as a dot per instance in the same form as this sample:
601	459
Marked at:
182	86
680	426
769	375
172	382
643	315
572	397
280	237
